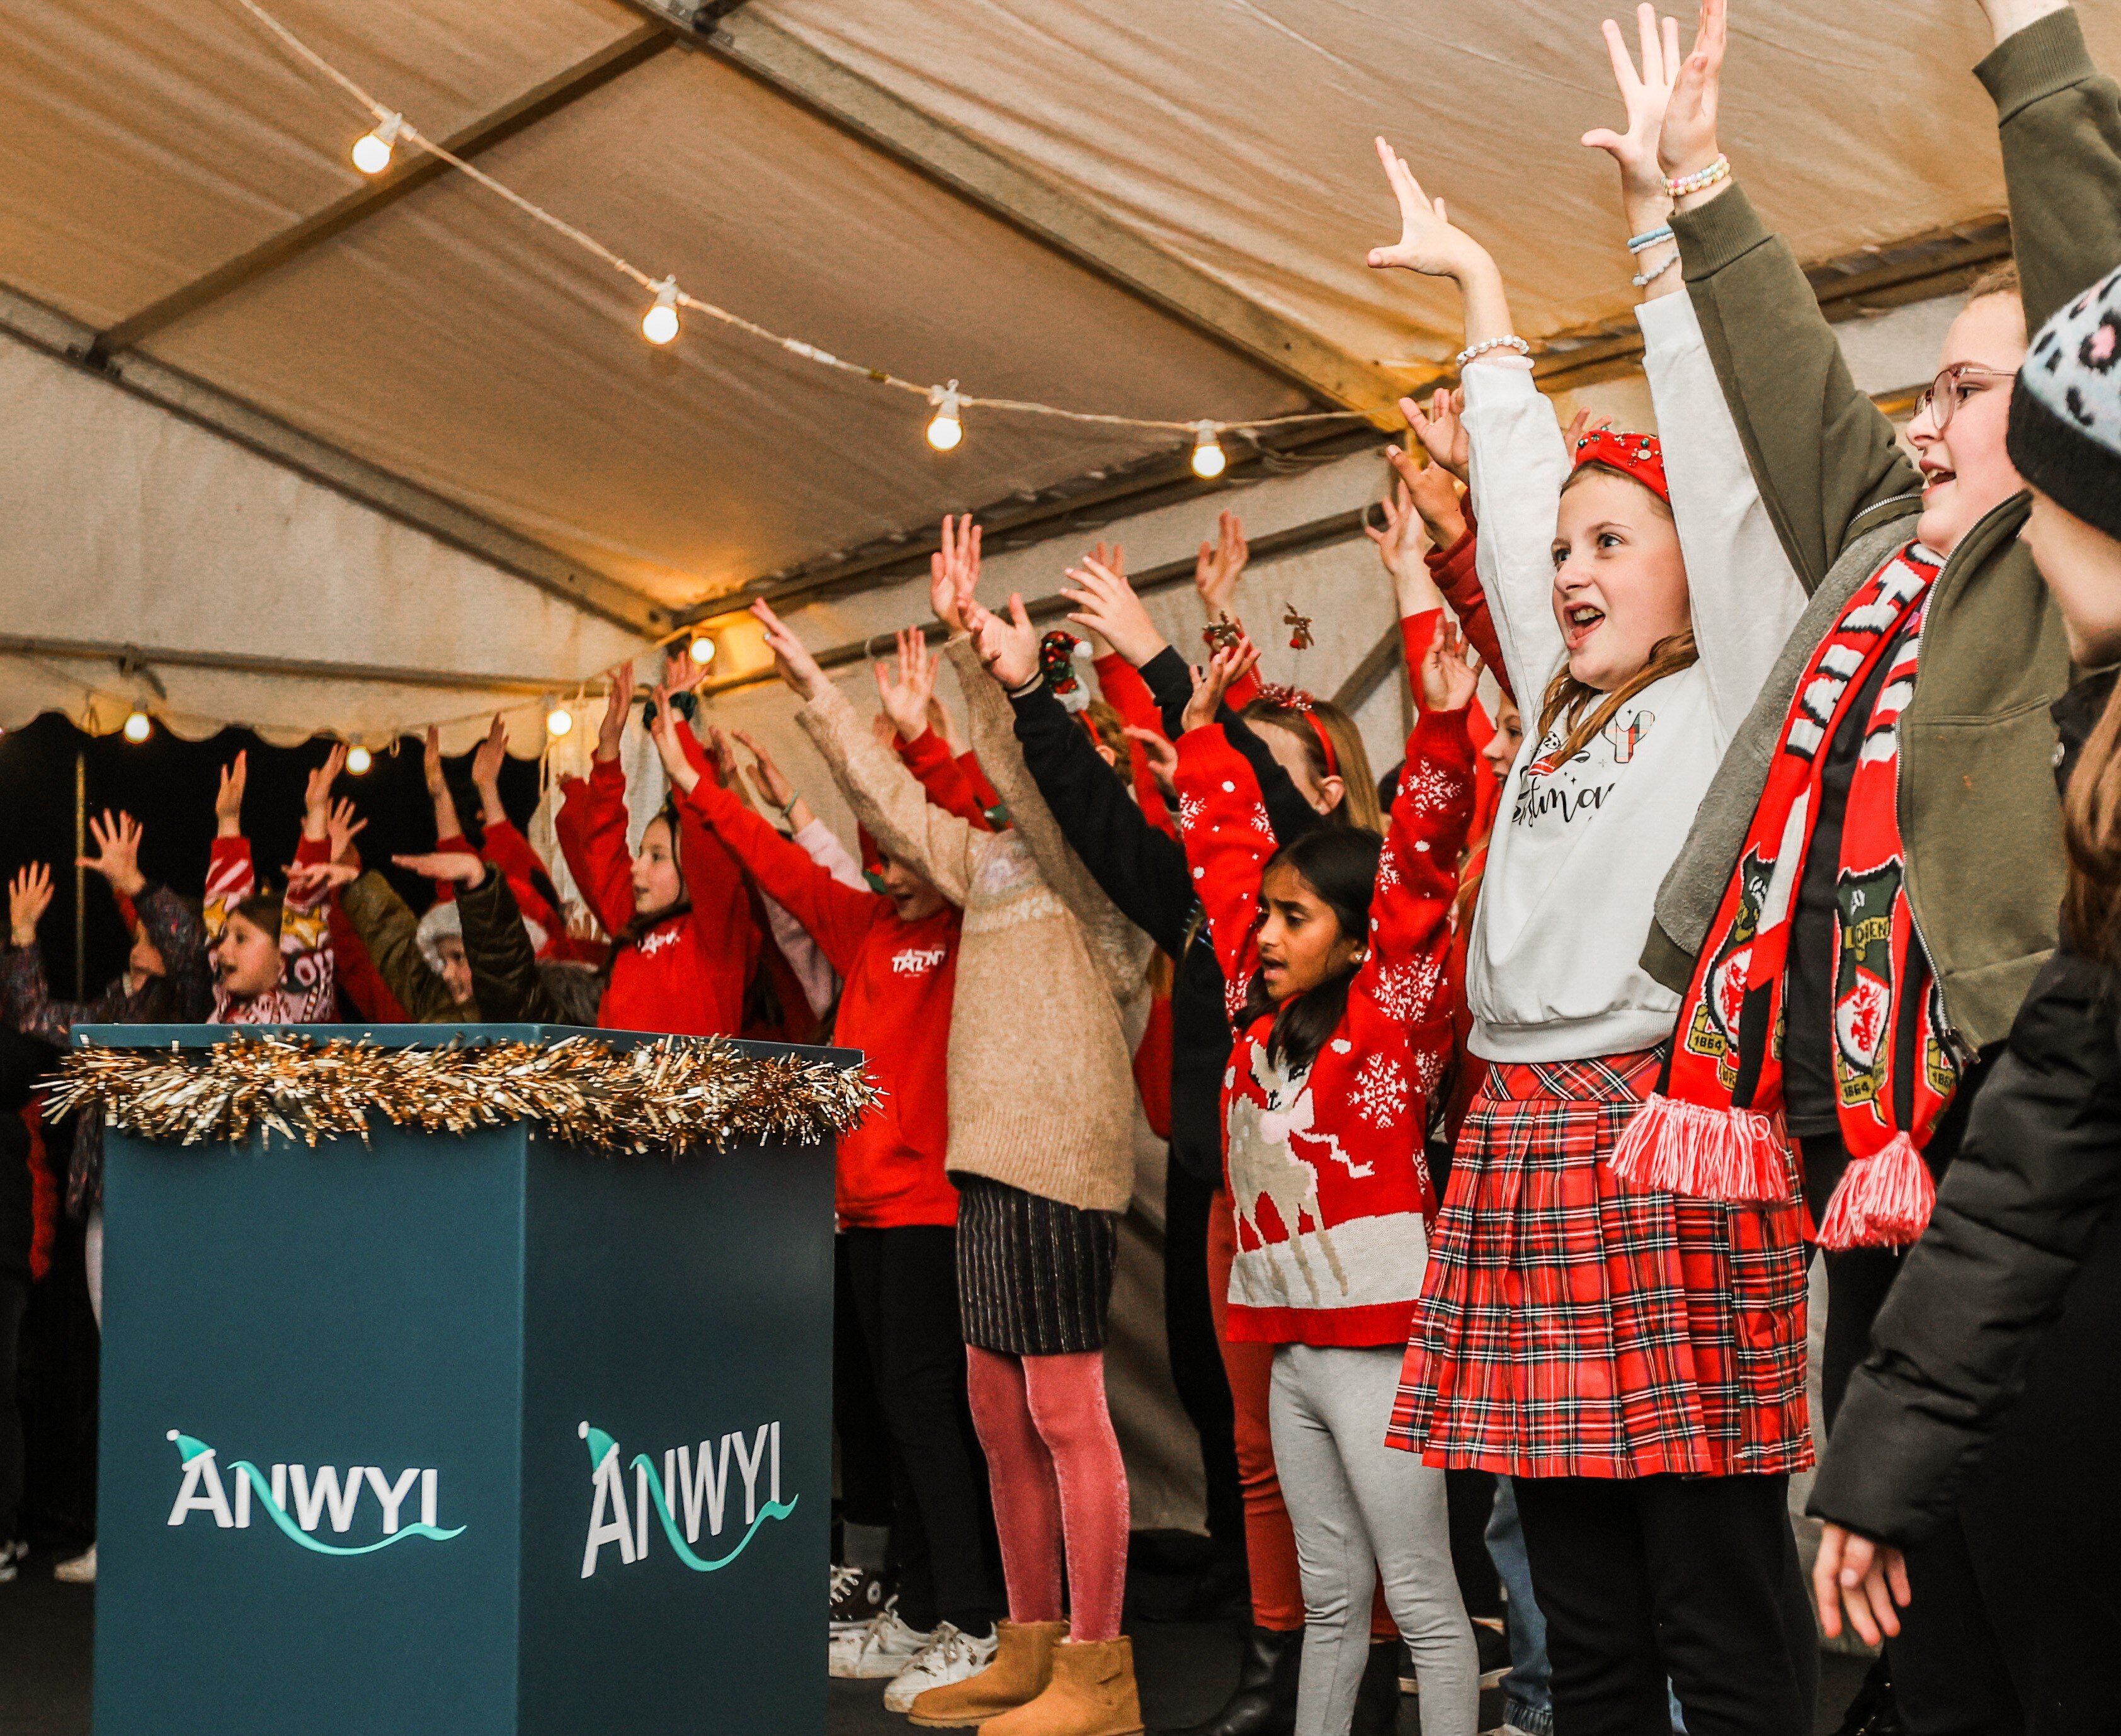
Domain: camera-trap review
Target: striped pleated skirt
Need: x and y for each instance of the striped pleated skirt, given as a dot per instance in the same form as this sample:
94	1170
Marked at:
1034	1276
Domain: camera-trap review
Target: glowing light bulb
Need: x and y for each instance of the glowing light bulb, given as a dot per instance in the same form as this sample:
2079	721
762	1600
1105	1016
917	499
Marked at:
371	151
139	726
1209	460
702	649
944	428
658	325
358	760
558	721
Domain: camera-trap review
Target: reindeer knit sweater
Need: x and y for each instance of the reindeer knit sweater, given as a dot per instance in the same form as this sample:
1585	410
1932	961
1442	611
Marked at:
1051	992
1325	1164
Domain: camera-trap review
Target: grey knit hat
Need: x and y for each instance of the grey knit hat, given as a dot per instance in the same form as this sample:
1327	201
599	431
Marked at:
2065	436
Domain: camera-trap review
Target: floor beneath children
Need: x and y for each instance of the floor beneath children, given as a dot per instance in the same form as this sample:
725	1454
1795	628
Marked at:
1185	1669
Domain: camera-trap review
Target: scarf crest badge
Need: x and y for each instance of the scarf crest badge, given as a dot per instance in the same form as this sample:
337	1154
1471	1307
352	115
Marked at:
1716	1131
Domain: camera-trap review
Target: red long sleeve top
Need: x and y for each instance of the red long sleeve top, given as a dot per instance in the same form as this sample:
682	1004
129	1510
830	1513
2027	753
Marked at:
1326	1167
686	974
307	993
898	979
1120	685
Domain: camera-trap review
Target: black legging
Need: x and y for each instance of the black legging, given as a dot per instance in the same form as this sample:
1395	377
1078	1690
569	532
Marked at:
14	1298
905	1289
1196	1357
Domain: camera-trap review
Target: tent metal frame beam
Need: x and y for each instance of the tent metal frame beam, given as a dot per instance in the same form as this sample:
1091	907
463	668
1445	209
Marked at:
1337	527
138	663
1059	219
413	169
506	551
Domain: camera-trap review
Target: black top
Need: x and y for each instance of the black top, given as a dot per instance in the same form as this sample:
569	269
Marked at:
2019	1251
1815	941
1143	871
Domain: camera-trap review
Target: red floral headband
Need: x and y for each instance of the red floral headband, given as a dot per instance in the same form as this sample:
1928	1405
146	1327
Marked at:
1637	455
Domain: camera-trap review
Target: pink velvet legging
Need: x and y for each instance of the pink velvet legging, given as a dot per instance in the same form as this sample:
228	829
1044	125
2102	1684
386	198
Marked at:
1055	1465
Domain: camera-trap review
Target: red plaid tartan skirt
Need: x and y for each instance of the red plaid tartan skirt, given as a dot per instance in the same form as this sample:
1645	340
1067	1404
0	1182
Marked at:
1567	1328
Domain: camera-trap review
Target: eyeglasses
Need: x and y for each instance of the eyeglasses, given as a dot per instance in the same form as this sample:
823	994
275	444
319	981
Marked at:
1944	395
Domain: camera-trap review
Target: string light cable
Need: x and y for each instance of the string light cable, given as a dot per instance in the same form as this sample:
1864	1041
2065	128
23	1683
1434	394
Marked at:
659	324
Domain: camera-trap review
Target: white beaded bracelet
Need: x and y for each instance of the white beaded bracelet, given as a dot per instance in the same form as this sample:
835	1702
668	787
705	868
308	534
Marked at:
1473	351
1649	237
1643	279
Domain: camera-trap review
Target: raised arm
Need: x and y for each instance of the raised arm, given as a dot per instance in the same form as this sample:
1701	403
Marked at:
1825	459
591	823
1123	947
1229	841
886	798
1745	592
1519	461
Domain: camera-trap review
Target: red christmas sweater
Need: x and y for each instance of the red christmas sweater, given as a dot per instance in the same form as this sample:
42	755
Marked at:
1324	1168
894	1006
307	993
686	974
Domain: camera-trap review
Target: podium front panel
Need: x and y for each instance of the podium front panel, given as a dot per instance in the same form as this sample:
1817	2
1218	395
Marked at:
469	1434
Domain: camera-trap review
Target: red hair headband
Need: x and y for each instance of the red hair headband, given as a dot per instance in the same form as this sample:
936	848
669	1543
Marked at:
1296	700
1637	455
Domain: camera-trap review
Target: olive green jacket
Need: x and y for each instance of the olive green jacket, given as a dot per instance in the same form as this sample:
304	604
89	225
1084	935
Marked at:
391	932
1978	806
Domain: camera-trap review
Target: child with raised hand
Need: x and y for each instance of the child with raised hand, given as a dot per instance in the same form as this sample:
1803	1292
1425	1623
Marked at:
1988	1387
271	951
896	953
676	908
1335	948
1042	1117
1635	1361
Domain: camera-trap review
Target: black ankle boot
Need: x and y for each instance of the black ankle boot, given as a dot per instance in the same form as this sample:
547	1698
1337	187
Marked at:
1376	1705
1265	1702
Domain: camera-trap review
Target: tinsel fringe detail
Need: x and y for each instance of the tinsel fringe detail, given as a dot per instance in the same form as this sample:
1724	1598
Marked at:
672	1096
1733	1156
1881	1200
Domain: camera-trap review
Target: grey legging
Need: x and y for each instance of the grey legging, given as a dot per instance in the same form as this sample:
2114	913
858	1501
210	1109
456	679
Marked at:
1362	1509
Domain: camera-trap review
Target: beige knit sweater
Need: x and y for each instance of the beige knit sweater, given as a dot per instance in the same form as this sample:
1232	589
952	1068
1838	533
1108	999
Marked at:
1051	991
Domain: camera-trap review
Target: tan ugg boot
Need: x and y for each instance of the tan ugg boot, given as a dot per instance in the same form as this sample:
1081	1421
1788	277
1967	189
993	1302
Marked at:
1023	1665
1091	1694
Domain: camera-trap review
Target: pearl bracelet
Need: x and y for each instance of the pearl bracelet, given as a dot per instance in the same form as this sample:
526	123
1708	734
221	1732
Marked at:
1473	351
1701	180
1648	238
1643	279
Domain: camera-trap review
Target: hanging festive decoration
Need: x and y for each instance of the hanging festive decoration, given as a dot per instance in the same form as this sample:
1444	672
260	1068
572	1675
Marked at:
1300	637
660	325
673	1096
1222	633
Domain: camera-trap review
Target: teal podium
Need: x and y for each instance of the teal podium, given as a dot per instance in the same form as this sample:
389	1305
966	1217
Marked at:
462	1435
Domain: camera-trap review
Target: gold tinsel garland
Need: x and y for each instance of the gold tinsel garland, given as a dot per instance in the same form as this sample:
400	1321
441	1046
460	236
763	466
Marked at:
669	1095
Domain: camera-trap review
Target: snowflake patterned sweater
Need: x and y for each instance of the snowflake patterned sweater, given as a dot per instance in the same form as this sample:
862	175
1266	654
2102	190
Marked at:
1325	1167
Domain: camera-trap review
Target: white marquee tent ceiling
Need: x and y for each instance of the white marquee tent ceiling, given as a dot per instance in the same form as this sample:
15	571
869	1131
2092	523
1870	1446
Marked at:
1159	211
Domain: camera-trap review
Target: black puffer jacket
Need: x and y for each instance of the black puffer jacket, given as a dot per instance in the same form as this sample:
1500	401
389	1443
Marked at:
2010	1299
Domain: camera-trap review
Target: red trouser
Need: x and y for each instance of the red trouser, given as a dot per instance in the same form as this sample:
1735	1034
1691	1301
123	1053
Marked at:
1269	1541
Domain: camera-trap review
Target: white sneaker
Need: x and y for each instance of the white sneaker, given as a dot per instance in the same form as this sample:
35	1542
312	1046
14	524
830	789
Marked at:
948	1656
876	1652
10	1559
81	1571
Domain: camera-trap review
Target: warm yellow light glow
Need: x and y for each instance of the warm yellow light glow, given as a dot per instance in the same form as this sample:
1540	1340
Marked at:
1209	460
358	760
944	429
371	151
139	726
702	649
558	721
658	325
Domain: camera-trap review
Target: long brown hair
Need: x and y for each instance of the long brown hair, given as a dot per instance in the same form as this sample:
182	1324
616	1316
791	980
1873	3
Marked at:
2092	836
1587	709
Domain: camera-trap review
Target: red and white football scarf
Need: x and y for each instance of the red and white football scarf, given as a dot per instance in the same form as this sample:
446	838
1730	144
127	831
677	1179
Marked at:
1716	1133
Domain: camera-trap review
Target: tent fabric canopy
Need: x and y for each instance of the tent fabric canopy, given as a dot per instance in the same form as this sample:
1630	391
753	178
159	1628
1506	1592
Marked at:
442	339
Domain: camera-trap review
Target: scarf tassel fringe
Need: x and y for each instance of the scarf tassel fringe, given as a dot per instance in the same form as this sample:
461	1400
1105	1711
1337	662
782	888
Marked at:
1732	1156
1882	1201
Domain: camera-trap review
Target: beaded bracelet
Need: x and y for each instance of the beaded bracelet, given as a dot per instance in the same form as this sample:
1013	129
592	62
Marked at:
1643	279
1472	352
1648	238
1701	180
